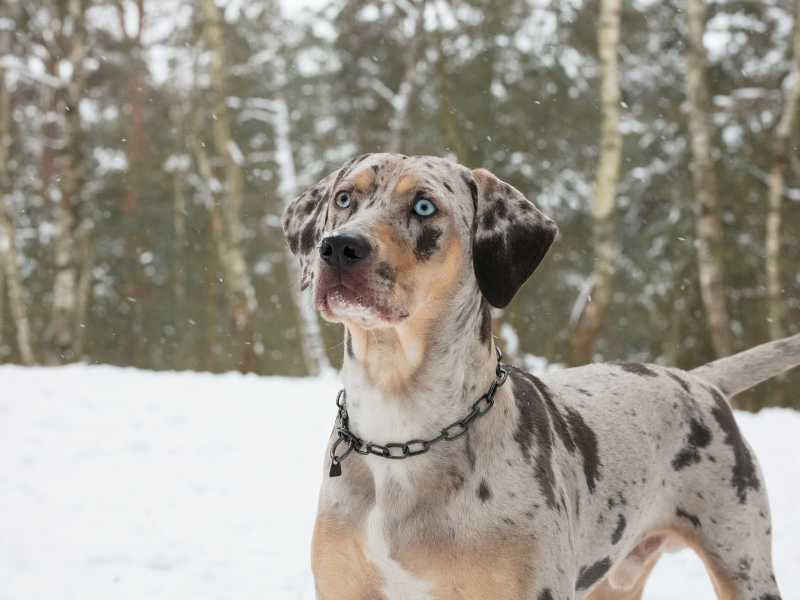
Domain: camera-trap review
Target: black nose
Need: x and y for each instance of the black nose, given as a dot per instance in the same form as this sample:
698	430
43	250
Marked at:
342	251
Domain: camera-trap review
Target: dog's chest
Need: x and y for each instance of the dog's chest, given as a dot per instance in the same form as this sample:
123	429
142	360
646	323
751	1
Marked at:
371	561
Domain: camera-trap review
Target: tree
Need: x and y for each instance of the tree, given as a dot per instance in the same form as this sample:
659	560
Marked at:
781	153
73	225
9	268
226	225
595	303
708	222
131	21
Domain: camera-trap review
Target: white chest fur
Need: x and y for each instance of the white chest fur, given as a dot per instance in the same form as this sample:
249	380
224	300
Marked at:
398	584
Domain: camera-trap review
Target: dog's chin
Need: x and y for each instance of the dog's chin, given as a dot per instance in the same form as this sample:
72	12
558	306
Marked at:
340	304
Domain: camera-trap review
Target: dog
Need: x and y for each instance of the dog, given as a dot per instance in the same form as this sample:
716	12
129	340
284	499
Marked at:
511	486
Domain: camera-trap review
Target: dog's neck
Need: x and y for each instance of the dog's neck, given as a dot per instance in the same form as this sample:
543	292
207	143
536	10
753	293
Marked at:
410	381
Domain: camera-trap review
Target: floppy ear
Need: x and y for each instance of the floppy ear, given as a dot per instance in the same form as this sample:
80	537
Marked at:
304	221
511	237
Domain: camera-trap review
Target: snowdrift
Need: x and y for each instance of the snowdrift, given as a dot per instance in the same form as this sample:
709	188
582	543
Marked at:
126	484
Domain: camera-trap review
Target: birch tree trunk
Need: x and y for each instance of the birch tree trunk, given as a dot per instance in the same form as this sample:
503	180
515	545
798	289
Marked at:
708	223
408	86
71	222
8	236
313	349
133	283
596	305
781	152
226	224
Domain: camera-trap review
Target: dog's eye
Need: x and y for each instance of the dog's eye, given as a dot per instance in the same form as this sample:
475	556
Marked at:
424	207
343	200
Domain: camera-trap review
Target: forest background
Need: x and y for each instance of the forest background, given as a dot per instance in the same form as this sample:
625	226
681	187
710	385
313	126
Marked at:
148	147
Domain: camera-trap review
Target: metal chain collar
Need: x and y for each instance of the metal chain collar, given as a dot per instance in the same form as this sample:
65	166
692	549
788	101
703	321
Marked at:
401	450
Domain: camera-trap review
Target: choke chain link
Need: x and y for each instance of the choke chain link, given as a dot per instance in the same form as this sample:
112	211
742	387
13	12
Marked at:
401	450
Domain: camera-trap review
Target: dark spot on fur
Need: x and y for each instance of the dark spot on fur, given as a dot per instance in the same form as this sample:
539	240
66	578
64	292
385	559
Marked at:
532	423
473	188
486	323
559	423
375	169
348	343
584	392
308	208
293	242
469	451
572	431
500	208
620	528
689	517
699	437
545	594
699	434
308	237
744	469
427	242
586	442
638	369
508	521
488	220
447	187
588	576
385	271
680	381
484	493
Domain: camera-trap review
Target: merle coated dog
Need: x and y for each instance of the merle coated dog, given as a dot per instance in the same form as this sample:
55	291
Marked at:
568	485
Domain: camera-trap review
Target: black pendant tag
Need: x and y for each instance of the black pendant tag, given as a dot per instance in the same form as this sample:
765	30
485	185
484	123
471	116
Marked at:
336	469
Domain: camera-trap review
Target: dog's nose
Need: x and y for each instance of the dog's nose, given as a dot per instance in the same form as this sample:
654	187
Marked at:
343	251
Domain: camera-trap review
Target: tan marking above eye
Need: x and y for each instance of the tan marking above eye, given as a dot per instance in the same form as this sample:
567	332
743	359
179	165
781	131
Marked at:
364	180
406	183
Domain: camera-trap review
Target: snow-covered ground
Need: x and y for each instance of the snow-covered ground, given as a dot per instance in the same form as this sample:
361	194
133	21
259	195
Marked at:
118	483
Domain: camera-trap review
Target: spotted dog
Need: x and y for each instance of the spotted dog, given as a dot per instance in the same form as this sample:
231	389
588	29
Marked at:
573	483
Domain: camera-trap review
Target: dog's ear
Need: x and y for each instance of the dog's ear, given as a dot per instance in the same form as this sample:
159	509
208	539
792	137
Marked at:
304	221
511	237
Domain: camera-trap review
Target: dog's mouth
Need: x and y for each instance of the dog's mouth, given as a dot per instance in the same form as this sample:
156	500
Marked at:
339	302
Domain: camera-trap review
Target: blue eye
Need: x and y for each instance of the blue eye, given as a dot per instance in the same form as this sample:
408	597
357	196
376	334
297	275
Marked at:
343	200
424	207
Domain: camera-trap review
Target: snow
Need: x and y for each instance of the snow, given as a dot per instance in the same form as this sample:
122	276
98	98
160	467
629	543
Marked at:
119	483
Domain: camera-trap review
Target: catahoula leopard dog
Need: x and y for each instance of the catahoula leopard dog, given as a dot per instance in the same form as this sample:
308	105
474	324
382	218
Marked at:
450	476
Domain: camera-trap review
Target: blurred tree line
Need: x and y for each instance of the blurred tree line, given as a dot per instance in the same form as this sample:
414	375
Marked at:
148	148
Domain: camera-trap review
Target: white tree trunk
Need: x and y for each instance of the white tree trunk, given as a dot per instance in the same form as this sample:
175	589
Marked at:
312	346
226	223
708	223
16	295
782	149
607	250
9	269
71	222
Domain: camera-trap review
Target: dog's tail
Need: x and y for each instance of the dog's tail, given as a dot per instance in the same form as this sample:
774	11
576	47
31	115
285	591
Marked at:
737	373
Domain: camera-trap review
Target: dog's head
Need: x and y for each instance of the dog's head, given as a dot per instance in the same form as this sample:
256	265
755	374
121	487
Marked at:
387	236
